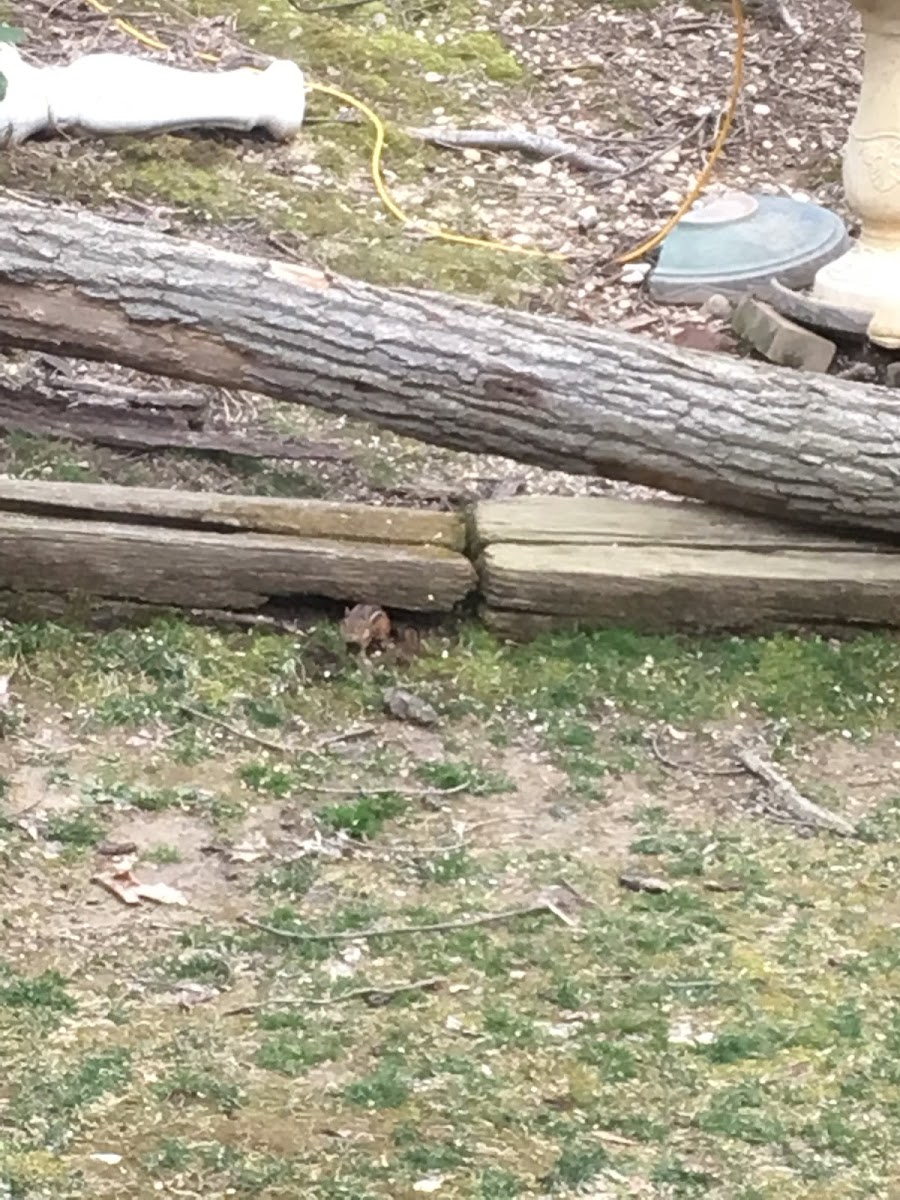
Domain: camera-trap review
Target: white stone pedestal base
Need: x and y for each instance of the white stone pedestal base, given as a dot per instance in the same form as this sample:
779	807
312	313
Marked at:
866	278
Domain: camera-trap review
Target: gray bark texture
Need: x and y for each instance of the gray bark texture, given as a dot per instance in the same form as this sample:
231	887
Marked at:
453	372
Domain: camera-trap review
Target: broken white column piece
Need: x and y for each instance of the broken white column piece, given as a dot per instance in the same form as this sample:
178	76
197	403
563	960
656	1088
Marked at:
867	277
119	93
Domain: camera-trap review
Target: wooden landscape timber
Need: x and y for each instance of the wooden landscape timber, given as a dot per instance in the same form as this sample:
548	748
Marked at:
547	562
453	372
530	563
222	552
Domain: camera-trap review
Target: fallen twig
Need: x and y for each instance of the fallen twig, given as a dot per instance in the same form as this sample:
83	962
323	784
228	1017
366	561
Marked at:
627	172
374	996
787	796
351	935
235	730
521	141
341	6
334	739
675	765
365	789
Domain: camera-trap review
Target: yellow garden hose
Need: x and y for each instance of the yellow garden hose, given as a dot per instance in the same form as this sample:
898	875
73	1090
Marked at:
447	235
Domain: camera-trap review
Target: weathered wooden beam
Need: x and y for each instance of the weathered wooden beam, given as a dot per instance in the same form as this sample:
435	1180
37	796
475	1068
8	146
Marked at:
225	512
602	520
214	570
453	372
197	550
663	567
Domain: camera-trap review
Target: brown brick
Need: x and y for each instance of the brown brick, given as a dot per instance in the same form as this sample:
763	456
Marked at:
780	340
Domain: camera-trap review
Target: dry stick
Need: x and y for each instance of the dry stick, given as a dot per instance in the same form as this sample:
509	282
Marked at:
334	739
324	8
787	795
350	935
279	748
175	398
234	729
367	790
674	765
524	143
372	995
644	163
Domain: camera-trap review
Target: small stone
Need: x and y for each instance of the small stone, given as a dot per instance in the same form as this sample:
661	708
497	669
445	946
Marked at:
588	218
635	273
780	340
407	706
892	374
717	306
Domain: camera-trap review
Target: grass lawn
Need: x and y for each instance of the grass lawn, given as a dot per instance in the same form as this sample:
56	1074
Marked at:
734	1036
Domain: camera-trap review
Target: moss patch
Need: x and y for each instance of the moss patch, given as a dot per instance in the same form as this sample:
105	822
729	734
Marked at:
317	191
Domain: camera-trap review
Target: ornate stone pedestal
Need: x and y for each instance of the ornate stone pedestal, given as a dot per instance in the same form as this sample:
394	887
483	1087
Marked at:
868	276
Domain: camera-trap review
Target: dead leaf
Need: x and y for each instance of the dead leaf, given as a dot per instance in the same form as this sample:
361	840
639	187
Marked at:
130	890
160	893
252	849
122	885
703	337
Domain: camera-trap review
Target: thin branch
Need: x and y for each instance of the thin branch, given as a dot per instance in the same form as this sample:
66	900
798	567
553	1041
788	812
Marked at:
334	739
341	6
374	996
143	397
787	796
644	163
235	730
518	140
365	789
673	764
351	935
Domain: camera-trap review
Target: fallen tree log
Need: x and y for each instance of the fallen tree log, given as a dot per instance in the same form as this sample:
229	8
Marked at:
453	372
130	425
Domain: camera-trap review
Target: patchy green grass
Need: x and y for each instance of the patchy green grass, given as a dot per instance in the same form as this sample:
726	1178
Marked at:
564	686
316	193
733	1037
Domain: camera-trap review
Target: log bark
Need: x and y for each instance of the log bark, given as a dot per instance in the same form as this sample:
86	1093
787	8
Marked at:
454	372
